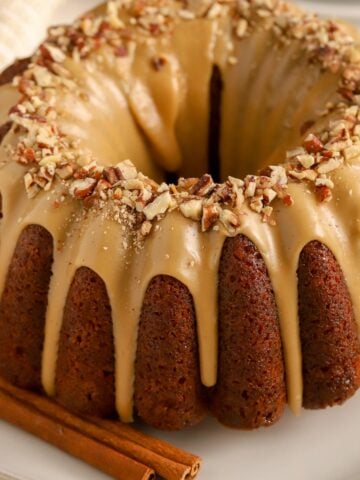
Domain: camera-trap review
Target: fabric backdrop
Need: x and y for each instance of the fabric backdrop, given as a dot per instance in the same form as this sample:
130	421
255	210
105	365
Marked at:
23	22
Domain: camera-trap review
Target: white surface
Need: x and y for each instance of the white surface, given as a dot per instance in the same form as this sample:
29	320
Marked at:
22	23
321	445
346	9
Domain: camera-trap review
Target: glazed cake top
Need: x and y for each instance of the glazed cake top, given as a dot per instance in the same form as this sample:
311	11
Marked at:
51	156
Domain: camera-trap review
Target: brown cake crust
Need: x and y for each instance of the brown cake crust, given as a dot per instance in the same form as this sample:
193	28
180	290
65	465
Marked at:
167	382
23	307
250	391
329	336
17	68
85	364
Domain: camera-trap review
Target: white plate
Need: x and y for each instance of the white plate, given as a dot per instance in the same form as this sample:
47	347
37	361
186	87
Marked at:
320	445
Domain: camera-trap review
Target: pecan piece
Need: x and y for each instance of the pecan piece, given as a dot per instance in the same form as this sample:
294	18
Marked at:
229	220
31	187
110	174
209	217
191	209
126	170
313	144
65	171
324	193
330	165
287	199
82	188
204	186
158	206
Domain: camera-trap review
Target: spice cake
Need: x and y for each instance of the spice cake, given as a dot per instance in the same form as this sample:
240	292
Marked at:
146	268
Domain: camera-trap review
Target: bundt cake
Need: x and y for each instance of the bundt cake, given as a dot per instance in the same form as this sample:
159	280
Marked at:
180	228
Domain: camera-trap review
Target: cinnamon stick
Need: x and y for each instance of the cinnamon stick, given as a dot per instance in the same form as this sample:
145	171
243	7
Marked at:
93	452
154	444
169	462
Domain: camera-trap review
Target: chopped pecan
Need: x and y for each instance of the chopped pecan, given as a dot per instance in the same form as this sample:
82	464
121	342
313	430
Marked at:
111	175
28	155
229	220
269	195
210	216
313	144
158	206
32	189
256	204
82	188
329	165
191	209
186	183
53	52
264	181
250	189
324	182
145	228
324	193
204	186
164	187
65	171
102	187
126	170
287	200
132	184
241	28
352	152
298	174
224	193
306	161
118	194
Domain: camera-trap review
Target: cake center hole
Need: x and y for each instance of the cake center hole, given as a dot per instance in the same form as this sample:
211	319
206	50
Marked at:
216	90
241	156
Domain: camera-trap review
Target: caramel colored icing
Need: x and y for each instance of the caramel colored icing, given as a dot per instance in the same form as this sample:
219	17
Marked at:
130	110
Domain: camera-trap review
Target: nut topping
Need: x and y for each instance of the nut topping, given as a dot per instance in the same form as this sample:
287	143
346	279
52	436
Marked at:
241	28
49	155
306	161
192	209
329	166
229	220
111	175
210	216
204	186
157	207
324	194
313	144
126	170
82	188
